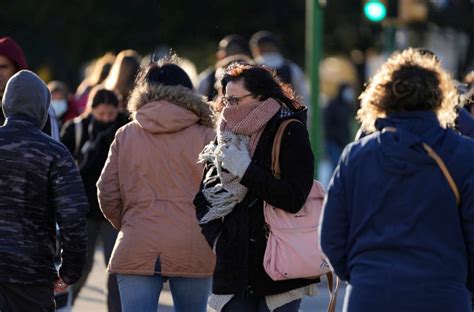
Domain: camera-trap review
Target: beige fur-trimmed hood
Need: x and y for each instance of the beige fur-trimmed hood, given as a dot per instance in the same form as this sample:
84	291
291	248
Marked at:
149	104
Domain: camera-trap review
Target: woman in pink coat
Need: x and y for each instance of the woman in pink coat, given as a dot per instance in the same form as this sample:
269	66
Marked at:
146	191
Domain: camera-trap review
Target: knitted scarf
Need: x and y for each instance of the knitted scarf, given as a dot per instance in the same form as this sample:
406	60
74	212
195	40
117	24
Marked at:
241	123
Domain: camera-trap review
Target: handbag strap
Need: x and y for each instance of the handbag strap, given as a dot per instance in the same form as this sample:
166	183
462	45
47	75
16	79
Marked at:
332	290
277	146
439	161
444	170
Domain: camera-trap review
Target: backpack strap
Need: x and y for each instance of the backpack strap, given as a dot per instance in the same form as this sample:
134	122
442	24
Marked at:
77	135
277	146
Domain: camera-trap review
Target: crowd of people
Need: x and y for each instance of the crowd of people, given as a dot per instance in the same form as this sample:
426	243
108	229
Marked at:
172	178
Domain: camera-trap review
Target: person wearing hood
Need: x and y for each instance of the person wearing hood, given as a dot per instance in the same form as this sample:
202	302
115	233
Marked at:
146	192
40	186
88	138
398	220
238	179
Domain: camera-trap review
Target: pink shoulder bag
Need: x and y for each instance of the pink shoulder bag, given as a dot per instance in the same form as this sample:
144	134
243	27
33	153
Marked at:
293	243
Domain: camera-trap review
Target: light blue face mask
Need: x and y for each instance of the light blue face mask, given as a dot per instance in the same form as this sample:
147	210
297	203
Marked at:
348	95
59	107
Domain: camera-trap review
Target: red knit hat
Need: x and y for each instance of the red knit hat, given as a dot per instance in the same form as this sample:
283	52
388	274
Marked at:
11	49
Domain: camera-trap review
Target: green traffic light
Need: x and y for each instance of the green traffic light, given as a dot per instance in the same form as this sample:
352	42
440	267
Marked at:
375	10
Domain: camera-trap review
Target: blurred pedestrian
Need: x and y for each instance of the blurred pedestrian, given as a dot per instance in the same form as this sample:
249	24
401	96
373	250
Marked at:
398	221
40	187
12	60
100	70
122	75
231	48
62	102
88	138
146	191
267	49
337	117
469	95
238	179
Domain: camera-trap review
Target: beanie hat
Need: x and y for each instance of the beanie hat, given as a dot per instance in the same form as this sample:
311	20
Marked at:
11	49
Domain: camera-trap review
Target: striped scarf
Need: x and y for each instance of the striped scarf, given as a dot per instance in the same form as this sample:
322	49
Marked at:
237	123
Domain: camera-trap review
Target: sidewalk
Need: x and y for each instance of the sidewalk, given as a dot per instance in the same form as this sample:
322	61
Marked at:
91	297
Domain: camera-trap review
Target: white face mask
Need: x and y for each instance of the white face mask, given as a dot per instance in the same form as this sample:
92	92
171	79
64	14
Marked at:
59	107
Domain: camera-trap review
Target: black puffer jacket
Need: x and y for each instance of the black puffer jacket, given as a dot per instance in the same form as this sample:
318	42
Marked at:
241	245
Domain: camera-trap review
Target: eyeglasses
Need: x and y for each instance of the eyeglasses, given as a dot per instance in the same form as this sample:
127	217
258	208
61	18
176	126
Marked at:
234	100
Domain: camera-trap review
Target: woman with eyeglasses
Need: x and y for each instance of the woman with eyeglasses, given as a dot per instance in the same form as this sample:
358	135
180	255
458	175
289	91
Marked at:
398	220
238	179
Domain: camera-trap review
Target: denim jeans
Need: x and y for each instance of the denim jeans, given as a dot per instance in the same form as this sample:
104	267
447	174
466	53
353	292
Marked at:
141	293
253	304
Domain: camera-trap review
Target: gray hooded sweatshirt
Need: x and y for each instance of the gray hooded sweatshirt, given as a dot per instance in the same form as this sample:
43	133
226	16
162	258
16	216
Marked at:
26	94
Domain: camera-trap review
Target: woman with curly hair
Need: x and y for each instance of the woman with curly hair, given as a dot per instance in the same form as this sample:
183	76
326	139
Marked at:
398	221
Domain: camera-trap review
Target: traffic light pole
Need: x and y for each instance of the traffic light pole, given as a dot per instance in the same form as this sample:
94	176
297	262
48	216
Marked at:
314	44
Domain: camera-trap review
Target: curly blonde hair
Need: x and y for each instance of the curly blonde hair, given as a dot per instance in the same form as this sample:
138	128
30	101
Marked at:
410	80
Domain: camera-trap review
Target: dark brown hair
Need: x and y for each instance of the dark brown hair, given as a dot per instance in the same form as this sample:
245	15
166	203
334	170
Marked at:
100	95
262	82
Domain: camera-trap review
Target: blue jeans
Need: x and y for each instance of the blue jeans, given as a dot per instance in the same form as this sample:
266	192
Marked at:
253	304
141	293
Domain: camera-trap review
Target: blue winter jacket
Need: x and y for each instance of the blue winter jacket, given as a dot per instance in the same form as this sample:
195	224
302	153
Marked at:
391	226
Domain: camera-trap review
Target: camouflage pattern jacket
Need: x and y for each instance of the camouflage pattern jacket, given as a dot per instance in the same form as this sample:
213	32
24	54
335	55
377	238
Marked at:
39	186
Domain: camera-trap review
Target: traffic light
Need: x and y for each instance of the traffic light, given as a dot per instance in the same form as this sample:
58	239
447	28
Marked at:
375	10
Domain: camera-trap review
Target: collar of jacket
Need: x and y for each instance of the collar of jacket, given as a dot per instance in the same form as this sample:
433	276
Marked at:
418	122
177	95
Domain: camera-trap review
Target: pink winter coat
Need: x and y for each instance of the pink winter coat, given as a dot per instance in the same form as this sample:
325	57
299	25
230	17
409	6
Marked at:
147	187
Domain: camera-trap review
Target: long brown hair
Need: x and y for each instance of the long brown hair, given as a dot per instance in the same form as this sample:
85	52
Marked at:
123	73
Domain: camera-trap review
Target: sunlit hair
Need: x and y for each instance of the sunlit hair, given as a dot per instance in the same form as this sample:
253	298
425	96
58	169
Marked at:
409	80
124	70
99	70
261	81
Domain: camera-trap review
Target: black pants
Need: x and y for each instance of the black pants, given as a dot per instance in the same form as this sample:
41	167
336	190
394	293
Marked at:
104	231
25	298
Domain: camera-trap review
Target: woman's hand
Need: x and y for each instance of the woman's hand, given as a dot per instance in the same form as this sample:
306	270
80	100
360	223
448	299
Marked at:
236	159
